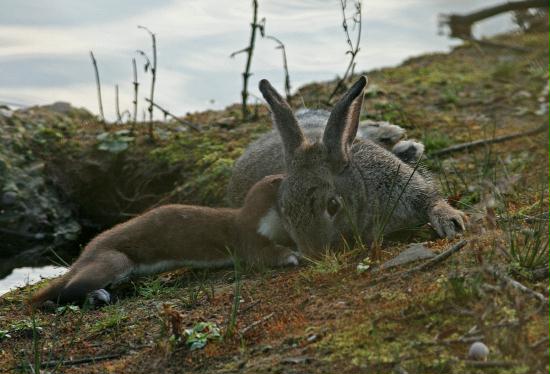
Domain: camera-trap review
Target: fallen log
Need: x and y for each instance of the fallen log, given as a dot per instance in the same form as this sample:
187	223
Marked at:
461	24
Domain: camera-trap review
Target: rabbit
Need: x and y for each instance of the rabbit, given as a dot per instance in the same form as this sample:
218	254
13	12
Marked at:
173	236
338	187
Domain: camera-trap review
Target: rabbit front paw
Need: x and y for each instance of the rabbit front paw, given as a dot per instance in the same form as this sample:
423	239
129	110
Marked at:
446	220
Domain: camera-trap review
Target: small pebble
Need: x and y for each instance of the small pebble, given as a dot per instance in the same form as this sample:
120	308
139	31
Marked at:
478	351
9	198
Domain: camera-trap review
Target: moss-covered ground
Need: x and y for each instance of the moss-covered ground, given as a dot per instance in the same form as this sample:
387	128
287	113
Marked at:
324	317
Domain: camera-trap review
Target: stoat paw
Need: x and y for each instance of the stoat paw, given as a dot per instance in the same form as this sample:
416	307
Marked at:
98	298
292	260
447	221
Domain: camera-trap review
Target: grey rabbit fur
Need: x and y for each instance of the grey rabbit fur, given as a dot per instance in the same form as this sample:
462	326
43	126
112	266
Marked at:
337	186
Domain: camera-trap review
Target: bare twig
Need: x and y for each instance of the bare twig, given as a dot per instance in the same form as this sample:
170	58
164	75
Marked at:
460	25
249	50
281	46
424	266
353	48
249	306
481	142
117	105
98	86
167	113
515	284
256	323
490	364
153	67
79	361
136	89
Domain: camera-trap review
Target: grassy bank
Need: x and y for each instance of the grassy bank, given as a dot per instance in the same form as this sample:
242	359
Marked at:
324	317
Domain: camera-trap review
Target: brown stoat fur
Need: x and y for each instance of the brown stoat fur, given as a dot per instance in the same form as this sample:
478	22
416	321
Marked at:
174	236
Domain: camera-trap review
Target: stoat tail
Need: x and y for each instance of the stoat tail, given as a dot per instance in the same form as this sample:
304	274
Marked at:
51	292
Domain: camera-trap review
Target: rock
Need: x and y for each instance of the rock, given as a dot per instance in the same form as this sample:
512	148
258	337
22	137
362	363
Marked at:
9	198
415	252
297	360
478	351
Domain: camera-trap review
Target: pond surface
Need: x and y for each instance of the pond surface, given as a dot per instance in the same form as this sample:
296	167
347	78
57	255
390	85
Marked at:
28	275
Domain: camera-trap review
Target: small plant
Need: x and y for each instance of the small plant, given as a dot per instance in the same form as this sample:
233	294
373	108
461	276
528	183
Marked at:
114	142
527	246
25	327
198	336
232	324
113	320
329	262
364	265
151	288
527	241
434	140
67	309
463	288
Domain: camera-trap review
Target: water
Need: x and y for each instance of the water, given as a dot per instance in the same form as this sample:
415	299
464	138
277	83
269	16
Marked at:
28	275
44	46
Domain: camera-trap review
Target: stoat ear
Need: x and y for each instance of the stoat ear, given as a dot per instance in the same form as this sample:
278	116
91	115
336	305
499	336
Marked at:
276	179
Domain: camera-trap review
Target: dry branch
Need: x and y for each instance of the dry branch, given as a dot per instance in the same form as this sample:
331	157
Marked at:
515	284
281	46
353	48
79	361
153	67
256	323
117	105
249	50
481	142
461	24
167	113
136	88
98	86
490	364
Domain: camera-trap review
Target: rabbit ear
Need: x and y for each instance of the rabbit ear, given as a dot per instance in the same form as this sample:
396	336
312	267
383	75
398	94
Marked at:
283	118
342	125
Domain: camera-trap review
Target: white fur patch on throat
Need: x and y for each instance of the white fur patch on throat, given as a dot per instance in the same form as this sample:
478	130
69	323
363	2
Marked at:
270	225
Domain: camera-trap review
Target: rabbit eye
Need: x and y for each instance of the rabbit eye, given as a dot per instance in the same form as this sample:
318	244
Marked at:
333	206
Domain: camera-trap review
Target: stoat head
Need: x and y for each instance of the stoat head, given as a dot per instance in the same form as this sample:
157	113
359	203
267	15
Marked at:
263	195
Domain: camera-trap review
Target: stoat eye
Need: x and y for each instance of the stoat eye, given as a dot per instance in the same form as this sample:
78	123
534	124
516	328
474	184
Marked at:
333	206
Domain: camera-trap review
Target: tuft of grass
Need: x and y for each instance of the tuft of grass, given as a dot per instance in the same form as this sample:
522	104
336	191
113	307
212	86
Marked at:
232	324
151	288
112	321
527	237
435	140
528	245
329	262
